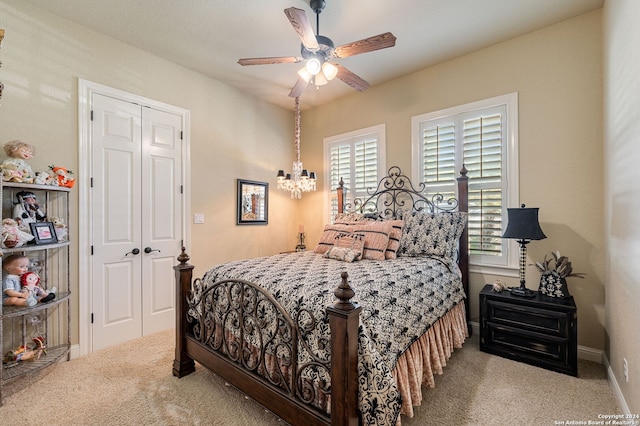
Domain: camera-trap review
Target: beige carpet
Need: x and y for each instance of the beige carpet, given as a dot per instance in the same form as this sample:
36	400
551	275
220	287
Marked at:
132	384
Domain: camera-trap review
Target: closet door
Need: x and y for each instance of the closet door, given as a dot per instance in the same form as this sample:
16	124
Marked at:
161	216
136	219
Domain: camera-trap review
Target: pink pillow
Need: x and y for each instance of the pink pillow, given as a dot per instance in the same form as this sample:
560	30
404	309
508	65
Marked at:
376	237
394	239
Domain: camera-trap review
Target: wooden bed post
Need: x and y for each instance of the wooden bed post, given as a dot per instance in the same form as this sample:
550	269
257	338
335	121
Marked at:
182	364
344	319
463	206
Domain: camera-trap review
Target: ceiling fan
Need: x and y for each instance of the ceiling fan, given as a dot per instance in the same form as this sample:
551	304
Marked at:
318	50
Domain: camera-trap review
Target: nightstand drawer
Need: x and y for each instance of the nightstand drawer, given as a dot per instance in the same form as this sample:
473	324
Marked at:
528	344
528	318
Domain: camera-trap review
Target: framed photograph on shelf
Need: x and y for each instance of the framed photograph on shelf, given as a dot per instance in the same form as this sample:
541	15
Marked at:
43	232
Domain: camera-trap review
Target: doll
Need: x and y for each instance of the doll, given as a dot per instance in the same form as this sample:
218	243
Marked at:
12	292
11	235
31	281
19	152
27	209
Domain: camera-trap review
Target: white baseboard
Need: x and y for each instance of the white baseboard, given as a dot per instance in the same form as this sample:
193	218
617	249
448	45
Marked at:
590	354
613	382
74	351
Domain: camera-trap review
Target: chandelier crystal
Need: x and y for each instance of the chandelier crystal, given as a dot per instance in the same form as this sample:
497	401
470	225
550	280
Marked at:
300	180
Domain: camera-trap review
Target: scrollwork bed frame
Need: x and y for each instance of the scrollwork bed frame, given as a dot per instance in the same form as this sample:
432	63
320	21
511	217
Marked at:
261	358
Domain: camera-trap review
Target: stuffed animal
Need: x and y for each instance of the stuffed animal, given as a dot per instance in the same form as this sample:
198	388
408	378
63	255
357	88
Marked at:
11	173
44	178
60	227
18	152
63	176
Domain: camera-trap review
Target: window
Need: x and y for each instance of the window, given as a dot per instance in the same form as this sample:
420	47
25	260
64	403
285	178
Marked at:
358	159
482	136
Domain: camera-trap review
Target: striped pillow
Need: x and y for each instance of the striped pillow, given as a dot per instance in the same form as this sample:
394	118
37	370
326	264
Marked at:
394	239
376	238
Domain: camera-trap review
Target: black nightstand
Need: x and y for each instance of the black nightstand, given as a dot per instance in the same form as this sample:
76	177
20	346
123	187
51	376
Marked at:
541	330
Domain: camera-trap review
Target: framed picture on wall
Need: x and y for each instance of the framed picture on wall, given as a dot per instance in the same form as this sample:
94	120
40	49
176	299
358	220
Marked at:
253	203
43	232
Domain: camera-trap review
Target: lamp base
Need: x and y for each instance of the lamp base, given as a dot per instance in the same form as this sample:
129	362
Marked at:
523	292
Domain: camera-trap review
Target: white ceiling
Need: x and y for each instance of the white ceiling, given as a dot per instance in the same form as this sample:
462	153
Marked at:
209	36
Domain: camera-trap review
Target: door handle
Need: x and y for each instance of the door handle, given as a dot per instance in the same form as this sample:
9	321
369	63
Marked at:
133	252
150	250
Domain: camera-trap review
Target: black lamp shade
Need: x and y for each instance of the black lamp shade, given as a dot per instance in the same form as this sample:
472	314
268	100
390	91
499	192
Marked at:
523	224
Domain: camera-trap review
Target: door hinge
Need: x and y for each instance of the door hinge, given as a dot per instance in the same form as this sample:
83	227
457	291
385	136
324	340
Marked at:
181	135
91	183
91	317
181	189
91	250
91	119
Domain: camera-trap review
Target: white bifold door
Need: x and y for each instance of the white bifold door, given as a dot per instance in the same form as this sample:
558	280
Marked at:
136	219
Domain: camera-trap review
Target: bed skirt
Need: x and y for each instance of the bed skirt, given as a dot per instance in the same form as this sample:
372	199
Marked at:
427	356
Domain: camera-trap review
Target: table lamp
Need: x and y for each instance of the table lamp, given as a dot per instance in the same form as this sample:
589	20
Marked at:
523	226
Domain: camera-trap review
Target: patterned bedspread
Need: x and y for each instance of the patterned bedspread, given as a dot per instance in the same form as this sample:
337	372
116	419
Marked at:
401	298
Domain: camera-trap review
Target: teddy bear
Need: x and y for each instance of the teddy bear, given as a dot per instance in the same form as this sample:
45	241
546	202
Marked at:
60	227
10	173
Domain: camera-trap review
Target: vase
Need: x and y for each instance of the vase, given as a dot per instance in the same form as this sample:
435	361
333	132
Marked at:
553	285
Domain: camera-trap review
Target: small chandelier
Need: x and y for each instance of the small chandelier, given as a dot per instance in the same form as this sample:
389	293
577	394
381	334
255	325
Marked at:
301	180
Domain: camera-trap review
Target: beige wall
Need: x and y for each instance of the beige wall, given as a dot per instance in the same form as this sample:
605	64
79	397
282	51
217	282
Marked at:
43	58
622	195
557	73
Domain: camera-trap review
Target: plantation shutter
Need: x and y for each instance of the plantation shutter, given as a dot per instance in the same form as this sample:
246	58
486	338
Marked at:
477	140
439	157
339	168
356	160
483	158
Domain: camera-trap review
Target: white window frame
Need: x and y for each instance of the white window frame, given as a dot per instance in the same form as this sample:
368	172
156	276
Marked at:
378	130
508	264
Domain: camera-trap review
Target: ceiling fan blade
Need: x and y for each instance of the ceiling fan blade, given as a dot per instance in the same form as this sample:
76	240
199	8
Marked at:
298	88
351	79
271	60
380	41
302	26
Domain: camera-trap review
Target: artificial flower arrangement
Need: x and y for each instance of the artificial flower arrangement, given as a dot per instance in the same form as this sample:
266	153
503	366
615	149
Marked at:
555	270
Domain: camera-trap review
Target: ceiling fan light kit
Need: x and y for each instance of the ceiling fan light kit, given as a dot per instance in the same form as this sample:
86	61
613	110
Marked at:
318	50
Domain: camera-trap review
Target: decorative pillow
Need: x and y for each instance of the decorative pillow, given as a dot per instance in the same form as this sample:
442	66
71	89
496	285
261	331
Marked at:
376	237
348	247
328	237
394	239
348	218
432	234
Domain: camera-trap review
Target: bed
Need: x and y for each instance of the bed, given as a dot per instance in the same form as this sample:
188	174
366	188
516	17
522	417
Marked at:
347	333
